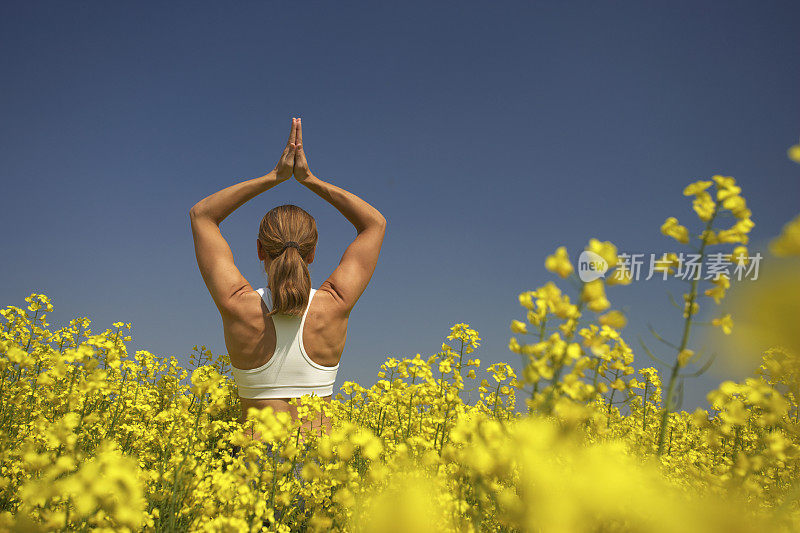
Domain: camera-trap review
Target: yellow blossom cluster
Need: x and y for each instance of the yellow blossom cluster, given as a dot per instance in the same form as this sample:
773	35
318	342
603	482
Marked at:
94	438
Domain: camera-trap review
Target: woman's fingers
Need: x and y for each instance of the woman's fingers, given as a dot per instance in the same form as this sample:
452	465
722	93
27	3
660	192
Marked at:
288	152
299	153
293	131
299	138
301	170
285	165
290	144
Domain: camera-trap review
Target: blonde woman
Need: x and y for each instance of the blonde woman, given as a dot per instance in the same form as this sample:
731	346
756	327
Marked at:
287	342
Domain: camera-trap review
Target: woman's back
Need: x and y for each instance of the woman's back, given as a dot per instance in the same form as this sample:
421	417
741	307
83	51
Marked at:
252	341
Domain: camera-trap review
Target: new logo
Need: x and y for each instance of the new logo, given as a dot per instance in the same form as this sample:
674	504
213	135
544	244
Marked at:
591	266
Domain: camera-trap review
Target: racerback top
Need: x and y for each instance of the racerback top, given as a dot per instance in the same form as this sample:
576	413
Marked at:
290	372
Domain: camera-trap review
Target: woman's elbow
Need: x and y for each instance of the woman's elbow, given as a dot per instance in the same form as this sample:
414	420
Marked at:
376	223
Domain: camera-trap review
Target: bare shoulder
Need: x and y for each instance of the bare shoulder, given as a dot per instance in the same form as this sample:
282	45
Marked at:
247	306
329	302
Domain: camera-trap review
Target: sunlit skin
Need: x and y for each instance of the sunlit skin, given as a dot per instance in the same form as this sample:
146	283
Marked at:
249	335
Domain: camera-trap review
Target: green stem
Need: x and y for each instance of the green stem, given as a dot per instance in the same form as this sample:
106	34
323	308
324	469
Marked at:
687	326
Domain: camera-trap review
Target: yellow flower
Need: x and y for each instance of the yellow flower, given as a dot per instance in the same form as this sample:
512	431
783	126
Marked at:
563	309
704	206
729	192
518	327
559	262
794	153
696	187
743	225
687	309
593	290
743	214
671	228
731	236
684	357
618	384
526	300
721	284
604	249
709	237
535	318
372	449
598	305
739	255
736	205
788	242
595	295
725	322
723	182
613	319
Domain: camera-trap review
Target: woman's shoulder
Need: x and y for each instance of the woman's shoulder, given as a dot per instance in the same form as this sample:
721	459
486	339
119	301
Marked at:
327	300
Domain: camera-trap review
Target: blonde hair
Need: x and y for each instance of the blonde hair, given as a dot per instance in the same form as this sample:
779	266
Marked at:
288	278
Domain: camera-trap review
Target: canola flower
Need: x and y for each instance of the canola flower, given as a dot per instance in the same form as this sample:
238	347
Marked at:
788	242
119	443
96	439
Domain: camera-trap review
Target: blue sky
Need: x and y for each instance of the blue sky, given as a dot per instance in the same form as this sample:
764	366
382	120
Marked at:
488	134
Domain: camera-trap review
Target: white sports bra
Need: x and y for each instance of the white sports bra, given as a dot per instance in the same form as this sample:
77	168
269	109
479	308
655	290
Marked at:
290	373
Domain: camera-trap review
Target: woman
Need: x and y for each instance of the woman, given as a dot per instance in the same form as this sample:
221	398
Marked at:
289	344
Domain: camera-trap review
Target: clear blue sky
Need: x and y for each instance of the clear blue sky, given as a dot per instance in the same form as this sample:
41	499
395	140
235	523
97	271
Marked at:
488	134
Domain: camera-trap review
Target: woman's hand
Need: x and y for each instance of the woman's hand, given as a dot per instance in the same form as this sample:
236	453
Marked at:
285	167
301	170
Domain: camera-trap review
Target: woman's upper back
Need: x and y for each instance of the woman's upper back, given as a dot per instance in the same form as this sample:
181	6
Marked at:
251	337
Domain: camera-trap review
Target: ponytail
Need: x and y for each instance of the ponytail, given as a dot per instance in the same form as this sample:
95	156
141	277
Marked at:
288	235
